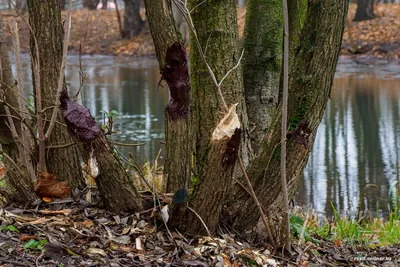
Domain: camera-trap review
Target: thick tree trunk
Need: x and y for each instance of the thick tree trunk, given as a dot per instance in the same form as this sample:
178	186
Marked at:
175	72
310	82
90	4
45	20
104	4
132	21
62	4
365	10
263	42
116	187
17	176
218	36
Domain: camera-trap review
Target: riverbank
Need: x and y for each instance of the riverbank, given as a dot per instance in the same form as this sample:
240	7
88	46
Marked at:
97	32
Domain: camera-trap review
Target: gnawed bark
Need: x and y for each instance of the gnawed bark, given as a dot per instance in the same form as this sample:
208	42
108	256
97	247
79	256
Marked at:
45	20
172	59
17	176
210	195
218	36
310	82
262	42
116	187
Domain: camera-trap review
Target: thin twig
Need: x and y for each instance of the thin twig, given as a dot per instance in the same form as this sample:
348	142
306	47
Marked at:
61	146
82	74
253	195
201	220
61	75
284	125
123	144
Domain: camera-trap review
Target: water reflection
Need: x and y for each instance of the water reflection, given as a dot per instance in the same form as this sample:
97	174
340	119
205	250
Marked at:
131	88
357	143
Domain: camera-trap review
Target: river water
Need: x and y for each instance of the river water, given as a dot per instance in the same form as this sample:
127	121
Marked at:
357	143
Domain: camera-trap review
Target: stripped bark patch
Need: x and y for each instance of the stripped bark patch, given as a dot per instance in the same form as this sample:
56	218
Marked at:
232	149
301	134
176	74
80	122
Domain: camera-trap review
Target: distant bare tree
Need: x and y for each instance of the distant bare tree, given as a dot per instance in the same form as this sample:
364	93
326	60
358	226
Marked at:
365	10
62	4
104	3
132	21
90	4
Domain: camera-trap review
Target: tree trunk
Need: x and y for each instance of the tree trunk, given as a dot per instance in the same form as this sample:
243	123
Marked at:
116	187
104	4
45	20
311	78
62	4
168	47
218	36
132	21
17	176
263	42
365	10
90	4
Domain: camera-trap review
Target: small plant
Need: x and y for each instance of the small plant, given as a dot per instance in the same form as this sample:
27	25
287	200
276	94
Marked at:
36	245
10	228
110	121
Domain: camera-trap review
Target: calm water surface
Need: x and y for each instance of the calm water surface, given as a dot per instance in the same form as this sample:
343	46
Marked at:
358	141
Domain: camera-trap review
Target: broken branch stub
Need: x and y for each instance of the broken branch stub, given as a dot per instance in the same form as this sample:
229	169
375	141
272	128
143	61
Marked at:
176	74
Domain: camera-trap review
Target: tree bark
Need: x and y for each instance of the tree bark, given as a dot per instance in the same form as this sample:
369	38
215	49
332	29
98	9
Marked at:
17	176
116	187
62	4
365	10
218	36
45	20
166	37
90	4
311	78
132	21
104	4
263	41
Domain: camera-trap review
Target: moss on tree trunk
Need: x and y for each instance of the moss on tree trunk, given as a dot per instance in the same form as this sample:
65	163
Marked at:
263	42
310	82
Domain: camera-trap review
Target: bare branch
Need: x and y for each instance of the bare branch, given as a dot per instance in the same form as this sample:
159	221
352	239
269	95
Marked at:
61	77
284	125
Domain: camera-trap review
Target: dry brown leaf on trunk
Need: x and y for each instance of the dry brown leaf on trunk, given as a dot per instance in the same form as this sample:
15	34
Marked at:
48	186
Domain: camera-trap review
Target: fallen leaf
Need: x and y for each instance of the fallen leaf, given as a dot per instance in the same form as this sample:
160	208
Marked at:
48	186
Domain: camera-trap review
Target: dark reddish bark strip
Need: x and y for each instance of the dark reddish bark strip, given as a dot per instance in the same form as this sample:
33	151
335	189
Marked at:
176	74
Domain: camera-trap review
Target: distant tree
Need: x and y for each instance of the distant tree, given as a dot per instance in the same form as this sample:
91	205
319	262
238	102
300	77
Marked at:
365	10
90	4
133	23
62	4
104	4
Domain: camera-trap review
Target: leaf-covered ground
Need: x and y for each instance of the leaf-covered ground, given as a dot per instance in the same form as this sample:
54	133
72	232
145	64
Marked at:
76	233
97	32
